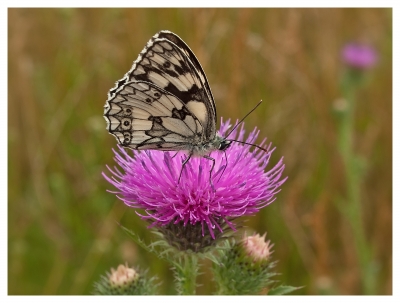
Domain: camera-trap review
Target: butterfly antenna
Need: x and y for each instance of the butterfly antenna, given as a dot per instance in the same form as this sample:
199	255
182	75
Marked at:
237	124
255	145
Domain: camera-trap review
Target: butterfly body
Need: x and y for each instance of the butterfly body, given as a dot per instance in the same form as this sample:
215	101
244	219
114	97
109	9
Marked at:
164	102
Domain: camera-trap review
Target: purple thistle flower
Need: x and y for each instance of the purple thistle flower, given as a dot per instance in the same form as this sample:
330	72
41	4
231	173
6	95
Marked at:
359	56
240	186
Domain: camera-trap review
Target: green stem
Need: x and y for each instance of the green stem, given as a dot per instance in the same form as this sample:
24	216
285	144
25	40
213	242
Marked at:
186	273
353	181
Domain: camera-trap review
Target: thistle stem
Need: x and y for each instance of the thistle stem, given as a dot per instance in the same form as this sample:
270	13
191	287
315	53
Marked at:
186	273
353	175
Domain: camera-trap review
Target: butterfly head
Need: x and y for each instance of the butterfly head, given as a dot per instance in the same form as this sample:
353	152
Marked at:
224	144
218	143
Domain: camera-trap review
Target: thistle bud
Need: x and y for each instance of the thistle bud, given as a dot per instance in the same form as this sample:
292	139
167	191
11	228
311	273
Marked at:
245	267
123	276
256	248
124	281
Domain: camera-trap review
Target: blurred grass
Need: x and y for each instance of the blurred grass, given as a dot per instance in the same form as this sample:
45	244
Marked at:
62	224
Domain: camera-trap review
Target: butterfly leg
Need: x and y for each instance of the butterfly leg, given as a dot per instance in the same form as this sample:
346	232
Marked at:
226	165
183	165
174	155
211	170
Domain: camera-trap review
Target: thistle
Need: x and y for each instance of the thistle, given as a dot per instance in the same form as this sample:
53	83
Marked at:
195	213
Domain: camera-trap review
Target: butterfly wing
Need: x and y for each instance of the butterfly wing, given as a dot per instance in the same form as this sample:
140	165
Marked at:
169	65
143	116
188	52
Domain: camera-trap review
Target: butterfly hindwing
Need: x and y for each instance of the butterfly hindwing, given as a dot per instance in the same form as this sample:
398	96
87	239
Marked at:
143	116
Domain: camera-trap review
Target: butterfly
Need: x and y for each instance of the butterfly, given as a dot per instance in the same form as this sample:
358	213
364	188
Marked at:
164	102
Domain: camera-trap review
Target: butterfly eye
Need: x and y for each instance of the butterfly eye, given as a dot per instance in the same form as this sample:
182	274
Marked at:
126	124
128	111
166	64
157	95
224	145
148	100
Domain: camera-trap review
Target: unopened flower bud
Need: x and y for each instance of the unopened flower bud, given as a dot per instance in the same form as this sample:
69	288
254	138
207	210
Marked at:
125	281
244	267
257	248
123	276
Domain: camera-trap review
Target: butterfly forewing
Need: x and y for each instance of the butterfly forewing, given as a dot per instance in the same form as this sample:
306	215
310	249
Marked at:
166	65
188	52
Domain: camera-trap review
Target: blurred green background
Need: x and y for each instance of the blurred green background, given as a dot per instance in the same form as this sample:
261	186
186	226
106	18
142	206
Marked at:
62	224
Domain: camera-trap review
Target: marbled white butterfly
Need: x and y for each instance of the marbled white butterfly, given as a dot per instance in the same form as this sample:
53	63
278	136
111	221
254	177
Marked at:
165	102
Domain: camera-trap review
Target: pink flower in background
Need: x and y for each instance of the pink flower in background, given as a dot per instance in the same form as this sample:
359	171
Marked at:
149	181
360	56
